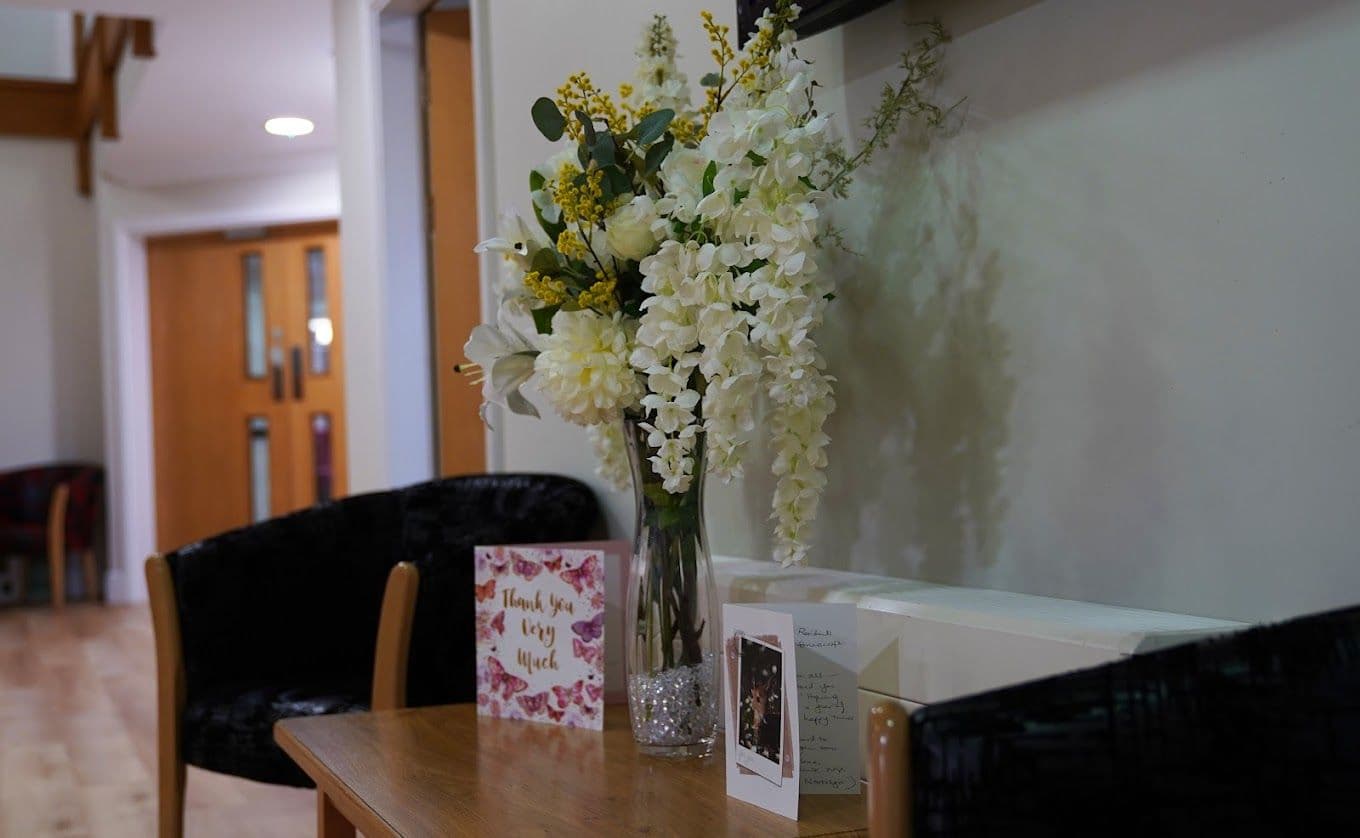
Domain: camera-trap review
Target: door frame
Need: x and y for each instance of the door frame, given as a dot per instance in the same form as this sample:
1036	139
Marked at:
126	219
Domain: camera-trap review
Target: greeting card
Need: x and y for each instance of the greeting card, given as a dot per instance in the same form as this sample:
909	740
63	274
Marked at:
540	615
790	689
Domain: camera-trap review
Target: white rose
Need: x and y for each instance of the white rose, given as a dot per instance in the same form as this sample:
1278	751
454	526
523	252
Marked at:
628	231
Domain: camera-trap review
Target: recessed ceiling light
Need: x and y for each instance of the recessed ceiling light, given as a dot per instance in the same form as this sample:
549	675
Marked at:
289	126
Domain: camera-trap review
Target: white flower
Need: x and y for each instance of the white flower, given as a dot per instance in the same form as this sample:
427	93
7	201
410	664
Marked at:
683	174
584	370
612	453
517	242
506	362
628	231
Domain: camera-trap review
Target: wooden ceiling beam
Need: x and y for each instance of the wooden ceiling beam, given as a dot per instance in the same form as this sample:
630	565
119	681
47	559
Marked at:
70	110
37	108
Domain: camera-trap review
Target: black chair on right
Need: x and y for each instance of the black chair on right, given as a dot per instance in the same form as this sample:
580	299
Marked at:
1253	733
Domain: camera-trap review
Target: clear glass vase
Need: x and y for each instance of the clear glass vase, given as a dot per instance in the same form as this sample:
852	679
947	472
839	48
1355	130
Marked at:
673	696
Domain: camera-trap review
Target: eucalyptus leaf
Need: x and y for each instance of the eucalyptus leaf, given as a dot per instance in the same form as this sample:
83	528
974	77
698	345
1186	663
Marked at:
650	128
548	119
619	181
603	150
710	173
584	118
544	261
711	80
543	319
656	154
755	158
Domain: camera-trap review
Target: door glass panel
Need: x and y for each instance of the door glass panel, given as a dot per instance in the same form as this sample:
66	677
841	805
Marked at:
259	468
254	291
322	465
320	329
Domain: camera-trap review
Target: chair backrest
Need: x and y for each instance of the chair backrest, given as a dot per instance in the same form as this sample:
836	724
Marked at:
299	596
26	496
1252	733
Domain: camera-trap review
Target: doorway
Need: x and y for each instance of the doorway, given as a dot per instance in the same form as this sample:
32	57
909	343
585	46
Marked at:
247	369
455	291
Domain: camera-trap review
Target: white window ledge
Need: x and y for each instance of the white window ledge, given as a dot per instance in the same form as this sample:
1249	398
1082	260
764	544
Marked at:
922	643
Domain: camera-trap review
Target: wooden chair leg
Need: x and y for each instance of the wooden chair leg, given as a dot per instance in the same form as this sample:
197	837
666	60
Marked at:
91	573
56	544
170	695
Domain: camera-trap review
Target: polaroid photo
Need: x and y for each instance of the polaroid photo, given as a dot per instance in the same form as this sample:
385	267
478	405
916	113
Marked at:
760	742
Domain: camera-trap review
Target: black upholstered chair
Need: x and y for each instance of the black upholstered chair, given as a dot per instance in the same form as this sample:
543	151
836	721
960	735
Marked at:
282	618
1253	733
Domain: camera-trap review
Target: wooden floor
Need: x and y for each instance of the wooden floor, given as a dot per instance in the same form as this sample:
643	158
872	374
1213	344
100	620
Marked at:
77	736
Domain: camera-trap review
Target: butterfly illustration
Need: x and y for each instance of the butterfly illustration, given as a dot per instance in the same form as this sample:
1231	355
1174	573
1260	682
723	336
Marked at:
594	691
589	710
553	565
526	568
498	622
498	562
582	577
567	696
486	590
533	704
585	651
502	680
589	629
555	715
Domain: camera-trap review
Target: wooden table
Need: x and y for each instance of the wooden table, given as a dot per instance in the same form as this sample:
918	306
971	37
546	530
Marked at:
444	771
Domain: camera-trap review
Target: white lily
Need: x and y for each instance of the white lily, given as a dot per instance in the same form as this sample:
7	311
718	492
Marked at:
505	361
517	243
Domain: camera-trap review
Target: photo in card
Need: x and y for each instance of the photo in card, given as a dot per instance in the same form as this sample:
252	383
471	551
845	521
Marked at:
760	708
540	624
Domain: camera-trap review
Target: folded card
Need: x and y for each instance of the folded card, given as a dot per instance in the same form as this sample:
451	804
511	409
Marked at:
540	618
790	692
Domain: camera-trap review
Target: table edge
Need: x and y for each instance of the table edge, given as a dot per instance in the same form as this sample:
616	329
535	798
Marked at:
363	817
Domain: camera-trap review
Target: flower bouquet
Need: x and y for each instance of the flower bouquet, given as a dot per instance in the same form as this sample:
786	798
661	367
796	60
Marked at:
670	281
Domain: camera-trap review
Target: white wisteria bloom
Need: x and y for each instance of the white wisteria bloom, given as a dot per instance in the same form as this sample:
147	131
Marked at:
583	367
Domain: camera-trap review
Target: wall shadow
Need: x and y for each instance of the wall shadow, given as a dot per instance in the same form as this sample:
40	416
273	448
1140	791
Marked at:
923	391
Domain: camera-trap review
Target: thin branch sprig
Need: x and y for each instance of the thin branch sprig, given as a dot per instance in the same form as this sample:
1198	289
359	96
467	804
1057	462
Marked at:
920	64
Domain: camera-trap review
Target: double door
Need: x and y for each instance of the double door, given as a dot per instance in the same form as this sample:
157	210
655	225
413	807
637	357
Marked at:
247	377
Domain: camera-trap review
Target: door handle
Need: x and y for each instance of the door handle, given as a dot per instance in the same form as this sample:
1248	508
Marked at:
276	380
297	372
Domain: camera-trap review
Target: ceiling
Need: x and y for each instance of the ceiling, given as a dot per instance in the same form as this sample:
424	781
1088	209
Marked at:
222	67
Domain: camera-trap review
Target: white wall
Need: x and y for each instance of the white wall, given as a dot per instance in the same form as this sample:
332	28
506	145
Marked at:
408	379
1099	343
49	309
36	43
125	218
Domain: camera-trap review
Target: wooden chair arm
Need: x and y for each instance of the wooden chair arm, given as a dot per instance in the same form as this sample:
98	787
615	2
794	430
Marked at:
889	793
171	691
394	637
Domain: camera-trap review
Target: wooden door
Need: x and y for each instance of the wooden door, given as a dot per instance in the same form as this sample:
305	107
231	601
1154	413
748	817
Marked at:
455	289
247	377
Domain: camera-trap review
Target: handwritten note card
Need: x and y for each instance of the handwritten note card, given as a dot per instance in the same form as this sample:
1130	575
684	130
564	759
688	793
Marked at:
540	615
827	657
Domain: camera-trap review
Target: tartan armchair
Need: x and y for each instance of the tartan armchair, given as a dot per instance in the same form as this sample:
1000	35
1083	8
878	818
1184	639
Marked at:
53	511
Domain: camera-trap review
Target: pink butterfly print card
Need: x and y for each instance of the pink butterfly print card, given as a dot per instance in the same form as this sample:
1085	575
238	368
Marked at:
540	634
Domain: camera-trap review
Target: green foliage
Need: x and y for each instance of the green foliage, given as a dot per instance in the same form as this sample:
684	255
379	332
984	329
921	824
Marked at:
553	229
545	261
543	319
602	150
548	119
650	128
709	174
710	80
920	63
656	154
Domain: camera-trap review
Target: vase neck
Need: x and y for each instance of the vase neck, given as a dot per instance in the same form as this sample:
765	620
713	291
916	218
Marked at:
649	488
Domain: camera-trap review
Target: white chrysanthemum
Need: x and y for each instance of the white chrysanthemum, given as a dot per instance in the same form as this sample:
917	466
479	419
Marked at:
584	370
